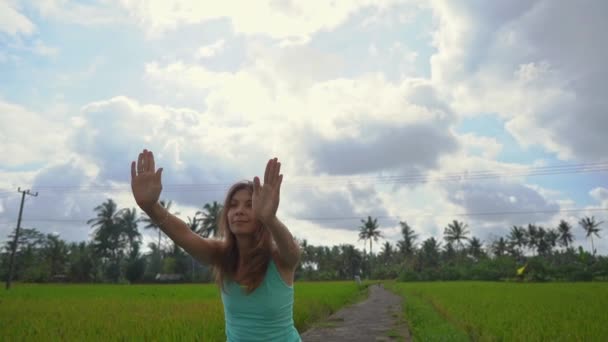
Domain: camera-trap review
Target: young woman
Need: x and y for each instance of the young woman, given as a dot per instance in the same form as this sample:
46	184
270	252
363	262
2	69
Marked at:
254	261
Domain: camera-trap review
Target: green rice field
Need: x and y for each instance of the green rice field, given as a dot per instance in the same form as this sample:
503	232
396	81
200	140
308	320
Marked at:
486	311
143	312
435	311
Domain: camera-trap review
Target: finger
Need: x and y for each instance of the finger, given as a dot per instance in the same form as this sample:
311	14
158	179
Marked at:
278	172
279	184
267	172
132	170
147	161
256	185
272	175
159	174
152	165
140	162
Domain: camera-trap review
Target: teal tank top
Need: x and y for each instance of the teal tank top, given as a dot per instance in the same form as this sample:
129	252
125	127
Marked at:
266	314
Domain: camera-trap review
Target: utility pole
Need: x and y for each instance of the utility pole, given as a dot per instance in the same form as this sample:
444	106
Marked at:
12	262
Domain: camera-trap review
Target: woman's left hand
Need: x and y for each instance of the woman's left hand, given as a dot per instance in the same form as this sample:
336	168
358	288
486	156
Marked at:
266	197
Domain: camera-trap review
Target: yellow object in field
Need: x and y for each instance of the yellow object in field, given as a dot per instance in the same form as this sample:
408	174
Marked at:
521	270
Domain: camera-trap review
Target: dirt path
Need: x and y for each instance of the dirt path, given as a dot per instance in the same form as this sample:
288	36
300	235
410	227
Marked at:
378	318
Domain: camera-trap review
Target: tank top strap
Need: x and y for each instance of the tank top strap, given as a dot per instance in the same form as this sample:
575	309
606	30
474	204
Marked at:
275	276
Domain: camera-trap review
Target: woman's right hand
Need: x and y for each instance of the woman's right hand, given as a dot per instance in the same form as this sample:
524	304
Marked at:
146	181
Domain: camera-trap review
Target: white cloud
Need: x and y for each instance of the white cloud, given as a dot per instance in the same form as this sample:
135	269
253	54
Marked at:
487	147
29	137
290	21
210	50
600	194
12	21
405	124
87	14
44	50
532	62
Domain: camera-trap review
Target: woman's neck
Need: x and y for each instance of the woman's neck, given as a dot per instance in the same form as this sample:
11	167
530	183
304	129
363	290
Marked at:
245	243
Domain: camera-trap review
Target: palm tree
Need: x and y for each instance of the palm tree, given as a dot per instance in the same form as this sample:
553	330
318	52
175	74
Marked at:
532	237
387	252
517	237
370	231
56	254
499	247
456	232
449	253
351	261
565	233
363	236
551	238
128	220
406	246
591	228
429	252
106	231
542	243
475	248
150	224
211	214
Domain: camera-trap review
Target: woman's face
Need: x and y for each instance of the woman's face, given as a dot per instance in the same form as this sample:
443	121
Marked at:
241	219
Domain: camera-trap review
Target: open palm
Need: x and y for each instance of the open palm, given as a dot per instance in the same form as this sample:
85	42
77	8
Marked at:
266	197
145	180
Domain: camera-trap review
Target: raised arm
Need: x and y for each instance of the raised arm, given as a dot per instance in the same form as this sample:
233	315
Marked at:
265	204
146	186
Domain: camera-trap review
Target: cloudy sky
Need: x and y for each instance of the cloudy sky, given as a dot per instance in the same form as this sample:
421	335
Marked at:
491	113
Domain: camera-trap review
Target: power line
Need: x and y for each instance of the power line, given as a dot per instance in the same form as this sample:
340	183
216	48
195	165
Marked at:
343	218
306	183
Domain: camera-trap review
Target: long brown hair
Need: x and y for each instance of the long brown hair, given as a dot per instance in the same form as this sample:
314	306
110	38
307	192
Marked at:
257	259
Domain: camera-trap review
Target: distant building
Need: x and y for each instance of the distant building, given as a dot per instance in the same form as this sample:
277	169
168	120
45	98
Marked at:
168	277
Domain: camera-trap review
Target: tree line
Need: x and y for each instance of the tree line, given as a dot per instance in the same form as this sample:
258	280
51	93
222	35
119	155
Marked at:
113	253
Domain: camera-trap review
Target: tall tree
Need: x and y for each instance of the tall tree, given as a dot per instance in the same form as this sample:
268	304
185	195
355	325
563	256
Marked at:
456	232
475	248
115	236
350	264
406	245
55	251
532	237
127	219
429	252
210	219
518	238
106	231
81	262
499	247
371	231
591	228
150	224
543	246
551	237
449	254
386	254
564	230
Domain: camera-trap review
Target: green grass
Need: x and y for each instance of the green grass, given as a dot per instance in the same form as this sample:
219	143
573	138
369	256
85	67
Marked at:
485	311
144	312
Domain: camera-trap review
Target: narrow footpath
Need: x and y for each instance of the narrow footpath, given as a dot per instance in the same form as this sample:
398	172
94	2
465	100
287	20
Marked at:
377	318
